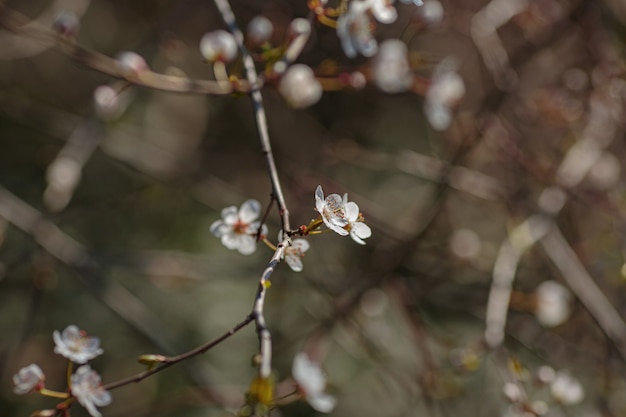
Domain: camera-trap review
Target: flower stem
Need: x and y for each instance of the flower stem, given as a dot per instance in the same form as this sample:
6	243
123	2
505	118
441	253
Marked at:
54	394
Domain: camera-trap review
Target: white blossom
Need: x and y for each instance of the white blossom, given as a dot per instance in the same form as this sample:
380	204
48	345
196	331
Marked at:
28	379
415	2
75	345
299	87
446	89
86	386
259	30
358	230
218	45
566	389
553	303
391	70
295	252
355	32
312	382
237	228
332	211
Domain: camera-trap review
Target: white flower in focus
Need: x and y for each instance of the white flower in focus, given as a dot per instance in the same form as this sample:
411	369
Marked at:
86	386
391	69
332	211
299	87
355	32
553	304
218	45
295	252
566	389
311	382
445	91
28	379
75	345
237	228
358	230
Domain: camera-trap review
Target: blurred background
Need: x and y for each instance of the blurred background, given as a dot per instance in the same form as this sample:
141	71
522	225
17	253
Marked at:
514	112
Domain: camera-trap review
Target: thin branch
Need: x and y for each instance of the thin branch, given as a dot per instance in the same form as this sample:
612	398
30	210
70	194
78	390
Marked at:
16	22
166	362
583	285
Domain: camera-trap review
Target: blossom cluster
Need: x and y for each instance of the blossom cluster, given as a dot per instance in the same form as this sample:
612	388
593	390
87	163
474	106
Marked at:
85	384
239	229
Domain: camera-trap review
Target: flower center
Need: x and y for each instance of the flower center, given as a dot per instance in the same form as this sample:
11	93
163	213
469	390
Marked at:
240	227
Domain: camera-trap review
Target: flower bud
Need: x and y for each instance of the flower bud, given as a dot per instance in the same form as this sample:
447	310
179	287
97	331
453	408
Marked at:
131	64
299	87
391	67
67	24
218	45
260	30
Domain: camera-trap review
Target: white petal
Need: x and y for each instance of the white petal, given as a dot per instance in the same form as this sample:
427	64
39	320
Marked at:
229	215
247	245
383	12
218	228
361	230
301	245
231	240
294	262
324	403
249	211
352	211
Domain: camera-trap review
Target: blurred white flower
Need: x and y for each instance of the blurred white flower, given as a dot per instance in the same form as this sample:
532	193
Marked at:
355	31
391	70
311	382
299	87
237	228
131	63
553	303
75	345
218	45
86	386
332	211
28	379
446	89
432	12
259	30
566	389
358	230
382	10
295	252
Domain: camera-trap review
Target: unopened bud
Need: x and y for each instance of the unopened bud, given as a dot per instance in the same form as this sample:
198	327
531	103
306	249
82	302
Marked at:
260	30
218	45
300	87
67	24
131	63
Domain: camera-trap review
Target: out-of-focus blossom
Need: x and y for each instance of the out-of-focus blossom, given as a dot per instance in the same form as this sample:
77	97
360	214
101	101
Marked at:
28	379
382	10
299	87
446	90
311	383
553	303
432	12
332	210
259	30
67	23
566	389
295	252
131	63
86	386
75	345
237	228
358	230
355	31
391	70
218	45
